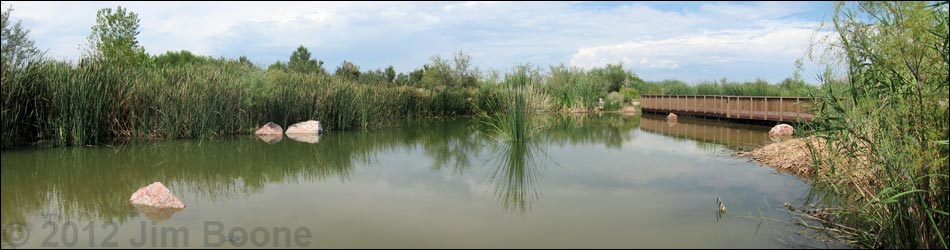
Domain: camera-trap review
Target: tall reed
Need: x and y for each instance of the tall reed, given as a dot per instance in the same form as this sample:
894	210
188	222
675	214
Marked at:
890	123
92	103
520	100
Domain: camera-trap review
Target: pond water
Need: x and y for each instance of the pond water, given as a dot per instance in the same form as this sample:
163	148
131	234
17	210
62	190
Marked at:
595	180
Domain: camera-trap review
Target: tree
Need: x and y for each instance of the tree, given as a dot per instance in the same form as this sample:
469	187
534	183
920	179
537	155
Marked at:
613	75
243	60
402	79
373	76
277	66
113	37
348	70
464	73
179	58
438	73
415	77
17	47
390	74
300	62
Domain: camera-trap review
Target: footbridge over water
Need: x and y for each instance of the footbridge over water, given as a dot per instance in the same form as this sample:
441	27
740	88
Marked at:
753	108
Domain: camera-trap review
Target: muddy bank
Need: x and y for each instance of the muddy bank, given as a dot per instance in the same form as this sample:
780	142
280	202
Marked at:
796	156
791	155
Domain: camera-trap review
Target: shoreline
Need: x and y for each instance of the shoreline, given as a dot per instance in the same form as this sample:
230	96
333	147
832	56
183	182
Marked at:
46	143
794	156
789	155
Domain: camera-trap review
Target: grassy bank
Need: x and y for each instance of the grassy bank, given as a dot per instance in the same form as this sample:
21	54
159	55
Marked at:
71	105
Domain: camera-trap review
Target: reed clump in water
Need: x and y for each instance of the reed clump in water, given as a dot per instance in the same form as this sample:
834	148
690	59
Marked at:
520	99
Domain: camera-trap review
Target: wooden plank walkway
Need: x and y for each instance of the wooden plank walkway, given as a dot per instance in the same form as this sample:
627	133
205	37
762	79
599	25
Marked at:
766	108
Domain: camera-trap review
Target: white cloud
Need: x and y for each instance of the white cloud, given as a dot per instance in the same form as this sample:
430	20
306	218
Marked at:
773	44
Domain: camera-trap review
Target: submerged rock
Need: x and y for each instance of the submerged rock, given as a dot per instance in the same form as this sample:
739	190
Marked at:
156	195
782	130
271	139
157	213
307	127
270	129
308	138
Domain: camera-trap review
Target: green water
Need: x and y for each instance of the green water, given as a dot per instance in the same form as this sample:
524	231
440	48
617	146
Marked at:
587	181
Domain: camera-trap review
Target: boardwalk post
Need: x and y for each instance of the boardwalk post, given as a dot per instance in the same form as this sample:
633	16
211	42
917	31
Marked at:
781	109
798	108
689	105
728	109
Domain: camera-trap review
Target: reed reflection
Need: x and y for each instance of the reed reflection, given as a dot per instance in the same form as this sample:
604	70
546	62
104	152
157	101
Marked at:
517	171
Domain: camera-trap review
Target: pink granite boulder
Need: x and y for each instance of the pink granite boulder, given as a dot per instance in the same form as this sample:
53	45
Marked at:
307	127
156	195
270	129
782	130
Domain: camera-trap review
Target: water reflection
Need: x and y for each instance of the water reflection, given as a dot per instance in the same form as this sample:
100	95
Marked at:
95	183
305	138
609	129
606	180
270	139
709	134
157	213
516	174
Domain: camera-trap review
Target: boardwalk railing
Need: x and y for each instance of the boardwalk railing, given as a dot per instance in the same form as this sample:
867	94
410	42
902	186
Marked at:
770	108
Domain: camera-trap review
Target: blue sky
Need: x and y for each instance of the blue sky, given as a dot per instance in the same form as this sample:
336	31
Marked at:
690	41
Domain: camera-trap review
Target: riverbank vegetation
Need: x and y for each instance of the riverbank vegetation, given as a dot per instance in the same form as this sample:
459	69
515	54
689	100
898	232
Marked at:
890	122
118	90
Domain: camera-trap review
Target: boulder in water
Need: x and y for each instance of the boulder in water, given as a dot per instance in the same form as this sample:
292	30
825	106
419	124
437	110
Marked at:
270	129
156	195
307	127
671	117
782	130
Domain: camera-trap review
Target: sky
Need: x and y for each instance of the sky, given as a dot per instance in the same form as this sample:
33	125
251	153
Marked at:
689	41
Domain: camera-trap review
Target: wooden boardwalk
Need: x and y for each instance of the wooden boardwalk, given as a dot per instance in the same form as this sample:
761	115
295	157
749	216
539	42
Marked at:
763	108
